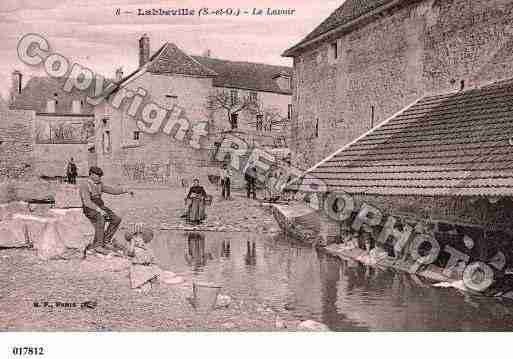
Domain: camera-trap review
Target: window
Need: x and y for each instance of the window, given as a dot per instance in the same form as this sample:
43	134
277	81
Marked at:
253	96
317	128
137	135
234	119
106	122
234	96
334	50
289	112
259	122
106	142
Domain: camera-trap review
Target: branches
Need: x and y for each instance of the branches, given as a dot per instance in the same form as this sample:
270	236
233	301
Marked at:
223	99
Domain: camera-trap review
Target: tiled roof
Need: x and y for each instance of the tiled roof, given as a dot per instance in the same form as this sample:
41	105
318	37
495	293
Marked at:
246	75
452	144
39	90
350	10
169	59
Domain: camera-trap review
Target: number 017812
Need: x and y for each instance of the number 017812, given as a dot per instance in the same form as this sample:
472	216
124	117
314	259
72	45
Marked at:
23	351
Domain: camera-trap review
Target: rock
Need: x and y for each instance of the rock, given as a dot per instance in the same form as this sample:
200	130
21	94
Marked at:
39	208
141	274
72	237
312	325
50	245
223	301
13	234
68	197
8	210
35	226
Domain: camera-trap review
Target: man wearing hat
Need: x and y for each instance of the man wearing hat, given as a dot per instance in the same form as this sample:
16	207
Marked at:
95	210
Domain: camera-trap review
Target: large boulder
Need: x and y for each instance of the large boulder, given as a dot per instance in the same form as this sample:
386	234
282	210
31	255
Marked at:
50	245
67	196
59	239
312	325
8	210
74	217
13	234
34	225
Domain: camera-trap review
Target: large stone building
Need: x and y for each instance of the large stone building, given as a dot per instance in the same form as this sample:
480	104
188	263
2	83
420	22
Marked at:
62	125
172	79
369	59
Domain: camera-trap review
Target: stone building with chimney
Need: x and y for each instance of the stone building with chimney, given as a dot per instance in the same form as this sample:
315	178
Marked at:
369	59
171	78
62	126
405	106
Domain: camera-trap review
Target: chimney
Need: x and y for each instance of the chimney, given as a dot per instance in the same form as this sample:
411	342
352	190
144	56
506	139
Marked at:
144	50
119	74
15	85
207	53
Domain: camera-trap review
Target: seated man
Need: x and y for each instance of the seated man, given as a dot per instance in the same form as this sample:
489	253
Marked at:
196	203
95	210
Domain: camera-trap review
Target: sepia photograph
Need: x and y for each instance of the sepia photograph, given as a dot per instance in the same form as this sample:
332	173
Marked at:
280	167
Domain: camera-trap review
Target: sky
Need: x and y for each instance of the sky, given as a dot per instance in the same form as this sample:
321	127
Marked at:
89	32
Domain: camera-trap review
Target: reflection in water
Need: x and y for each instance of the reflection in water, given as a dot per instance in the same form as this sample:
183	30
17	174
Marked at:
346	295
225	249
250	257
195	252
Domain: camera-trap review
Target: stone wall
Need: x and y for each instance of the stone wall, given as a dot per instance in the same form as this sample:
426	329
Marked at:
427	47
450	219
16	144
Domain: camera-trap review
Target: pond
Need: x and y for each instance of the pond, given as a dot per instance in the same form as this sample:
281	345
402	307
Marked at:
347	296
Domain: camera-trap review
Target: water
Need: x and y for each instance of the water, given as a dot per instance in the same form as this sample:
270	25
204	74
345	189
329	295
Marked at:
291	277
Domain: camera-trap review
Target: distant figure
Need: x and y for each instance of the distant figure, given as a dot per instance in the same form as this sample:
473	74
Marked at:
226	181
195	201
250	177
95	210
72	171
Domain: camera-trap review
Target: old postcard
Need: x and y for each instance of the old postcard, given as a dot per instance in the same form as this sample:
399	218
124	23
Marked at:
244	166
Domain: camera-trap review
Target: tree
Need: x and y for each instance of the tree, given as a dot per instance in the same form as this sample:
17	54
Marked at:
223	100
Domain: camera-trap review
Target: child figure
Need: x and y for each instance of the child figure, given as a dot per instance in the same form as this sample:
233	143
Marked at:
143	272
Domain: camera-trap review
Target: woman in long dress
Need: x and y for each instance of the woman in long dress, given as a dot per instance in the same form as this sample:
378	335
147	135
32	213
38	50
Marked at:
196	203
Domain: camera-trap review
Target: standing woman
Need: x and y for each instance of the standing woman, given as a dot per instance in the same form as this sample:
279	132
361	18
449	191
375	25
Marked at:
196	203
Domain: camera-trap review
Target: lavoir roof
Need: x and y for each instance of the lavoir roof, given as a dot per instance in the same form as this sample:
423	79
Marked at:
451	144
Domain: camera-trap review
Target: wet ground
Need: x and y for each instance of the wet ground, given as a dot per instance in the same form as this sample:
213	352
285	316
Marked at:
295	279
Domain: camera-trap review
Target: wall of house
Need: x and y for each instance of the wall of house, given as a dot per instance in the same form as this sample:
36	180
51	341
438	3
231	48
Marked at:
59	138
428	47
271	103
16	144
155	158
